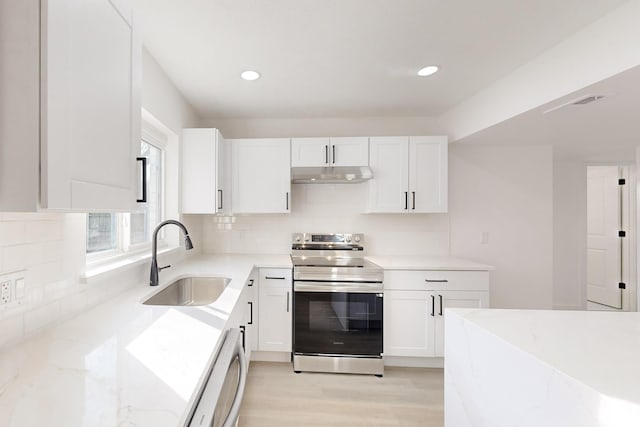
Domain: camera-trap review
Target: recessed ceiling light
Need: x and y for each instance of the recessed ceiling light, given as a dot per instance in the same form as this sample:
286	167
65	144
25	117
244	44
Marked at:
427	71
250	75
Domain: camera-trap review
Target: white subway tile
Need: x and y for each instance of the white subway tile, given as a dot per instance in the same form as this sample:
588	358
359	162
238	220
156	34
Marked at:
12	233
19	257
44	231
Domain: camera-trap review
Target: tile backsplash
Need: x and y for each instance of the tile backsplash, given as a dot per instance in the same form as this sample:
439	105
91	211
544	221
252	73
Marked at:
49	249
328	208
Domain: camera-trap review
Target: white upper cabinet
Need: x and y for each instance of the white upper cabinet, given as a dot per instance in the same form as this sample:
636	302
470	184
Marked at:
90	124
261	175
205	172
409	174
318	152
72	98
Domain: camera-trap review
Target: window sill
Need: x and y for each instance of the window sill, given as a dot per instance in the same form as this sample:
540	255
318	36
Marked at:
97	271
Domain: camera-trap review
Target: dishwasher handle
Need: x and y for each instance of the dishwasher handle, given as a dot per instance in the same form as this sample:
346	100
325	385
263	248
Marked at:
203	415
234	412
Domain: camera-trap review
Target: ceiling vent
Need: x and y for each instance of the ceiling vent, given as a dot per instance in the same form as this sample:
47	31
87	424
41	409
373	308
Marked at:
589	99
583	100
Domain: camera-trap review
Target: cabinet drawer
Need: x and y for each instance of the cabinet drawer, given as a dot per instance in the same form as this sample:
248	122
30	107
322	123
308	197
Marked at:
436	280
275	277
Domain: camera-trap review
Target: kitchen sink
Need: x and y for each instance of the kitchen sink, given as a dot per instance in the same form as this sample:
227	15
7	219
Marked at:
190	291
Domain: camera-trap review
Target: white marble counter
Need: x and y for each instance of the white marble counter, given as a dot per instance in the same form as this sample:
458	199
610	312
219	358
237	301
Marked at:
535	368
427	263
123	363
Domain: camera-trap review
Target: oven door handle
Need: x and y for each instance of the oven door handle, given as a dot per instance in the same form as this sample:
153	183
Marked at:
367	288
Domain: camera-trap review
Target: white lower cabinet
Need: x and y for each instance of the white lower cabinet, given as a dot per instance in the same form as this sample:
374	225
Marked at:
274	318
414	304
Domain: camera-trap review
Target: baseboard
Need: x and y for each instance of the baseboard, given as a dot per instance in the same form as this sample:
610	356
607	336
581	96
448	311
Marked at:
271	356
414	362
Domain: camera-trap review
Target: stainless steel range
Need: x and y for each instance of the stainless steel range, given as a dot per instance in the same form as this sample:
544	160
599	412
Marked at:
338	296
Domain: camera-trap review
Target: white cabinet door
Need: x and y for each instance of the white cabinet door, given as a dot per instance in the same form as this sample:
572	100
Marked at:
409	322
349	151
90	111
389	159
274	324
428	174
310	152
200	171
261	175
251	314
454	299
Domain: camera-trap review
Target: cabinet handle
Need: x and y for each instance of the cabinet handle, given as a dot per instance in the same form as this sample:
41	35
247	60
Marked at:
440	296
287	301
143	160
250	282
326	154
274	278
287	200
406	200
334	153
433	305
220	199
242	331
413	195
436	280
250	313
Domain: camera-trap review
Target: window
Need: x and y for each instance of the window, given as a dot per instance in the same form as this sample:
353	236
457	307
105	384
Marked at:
113	234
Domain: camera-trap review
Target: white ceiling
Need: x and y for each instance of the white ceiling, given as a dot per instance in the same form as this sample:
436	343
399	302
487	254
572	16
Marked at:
349	58
603	131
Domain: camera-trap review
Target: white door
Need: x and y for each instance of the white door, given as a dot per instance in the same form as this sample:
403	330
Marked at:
454	299
274	325
261	175
604	255
200	171
310	152
409	320
389	161
428	174
350	151
90	133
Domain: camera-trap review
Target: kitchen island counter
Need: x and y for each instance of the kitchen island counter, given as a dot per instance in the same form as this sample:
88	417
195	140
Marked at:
541	368
123	363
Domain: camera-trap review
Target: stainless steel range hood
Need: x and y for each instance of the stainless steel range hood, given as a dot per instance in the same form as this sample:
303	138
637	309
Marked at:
330	174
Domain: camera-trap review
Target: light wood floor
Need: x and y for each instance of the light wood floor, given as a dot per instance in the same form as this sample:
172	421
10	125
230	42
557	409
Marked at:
276	396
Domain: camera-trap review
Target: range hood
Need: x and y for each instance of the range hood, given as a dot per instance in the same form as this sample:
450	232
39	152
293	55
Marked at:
330	174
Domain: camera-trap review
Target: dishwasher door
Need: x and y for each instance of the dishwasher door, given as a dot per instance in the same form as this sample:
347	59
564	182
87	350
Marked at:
219	403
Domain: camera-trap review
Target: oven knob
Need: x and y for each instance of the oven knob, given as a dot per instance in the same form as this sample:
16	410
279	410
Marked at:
348	239
306	238
297	238
356	238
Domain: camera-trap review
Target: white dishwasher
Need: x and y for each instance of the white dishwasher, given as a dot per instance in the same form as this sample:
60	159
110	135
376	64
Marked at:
221	397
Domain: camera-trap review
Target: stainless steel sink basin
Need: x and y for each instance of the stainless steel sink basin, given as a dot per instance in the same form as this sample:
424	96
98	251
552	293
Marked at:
190	291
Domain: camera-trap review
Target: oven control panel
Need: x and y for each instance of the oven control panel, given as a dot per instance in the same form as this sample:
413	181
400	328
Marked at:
331	239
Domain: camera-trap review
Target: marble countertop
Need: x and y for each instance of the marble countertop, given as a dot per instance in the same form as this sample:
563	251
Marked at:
598	349
123	363
427	263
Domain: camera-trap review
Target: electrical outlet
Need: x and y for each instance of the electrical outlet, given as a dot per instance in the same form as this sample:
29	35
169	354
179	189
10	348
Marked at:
5	292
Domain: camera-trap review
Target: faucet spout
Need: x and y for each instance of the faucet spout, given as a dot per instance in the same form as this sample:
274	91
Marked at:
188	245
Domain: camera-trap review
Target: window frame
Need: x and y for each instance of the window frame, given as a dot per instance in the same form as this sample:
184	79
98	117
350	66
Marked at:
124	248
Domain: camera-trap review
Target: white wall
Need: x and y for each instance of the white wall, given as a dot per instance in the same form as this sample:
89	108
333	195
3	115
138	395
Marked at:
508	193
50	247
355	126
569	233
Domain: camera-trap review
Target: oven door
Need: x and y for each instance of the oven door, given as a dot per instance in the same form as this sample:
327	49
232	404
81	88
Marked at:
336	319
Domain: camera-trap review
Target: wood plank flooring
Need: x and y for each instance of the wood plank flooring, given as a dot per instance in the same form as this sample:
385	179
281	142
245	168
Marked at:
276	396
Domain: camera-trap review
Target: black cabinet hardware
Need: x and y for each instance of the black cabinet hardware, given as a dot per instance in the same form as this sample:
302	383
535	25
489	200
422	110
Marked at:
413	195
440	296
287	301
436	280
250	313
334	154
433	305
287	200
250	282
326	154
406	200
274	278
143	160
220	199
